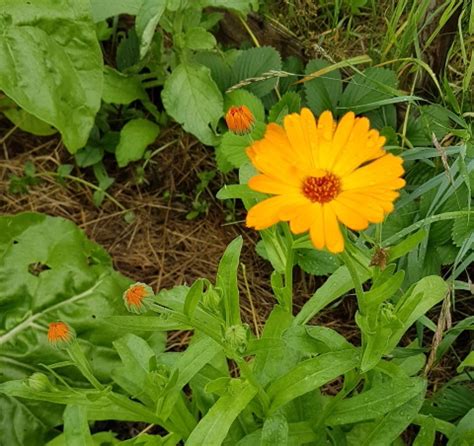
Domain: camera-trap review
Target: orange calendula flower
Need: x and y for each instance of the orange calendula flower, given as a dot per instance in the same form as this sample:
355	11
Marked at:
323	174
60	334
136	296
239	119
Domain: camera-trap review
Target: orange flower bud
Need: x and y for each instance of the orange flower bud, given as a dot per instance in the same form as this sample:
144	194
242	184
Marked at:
136	296
60	334
239	119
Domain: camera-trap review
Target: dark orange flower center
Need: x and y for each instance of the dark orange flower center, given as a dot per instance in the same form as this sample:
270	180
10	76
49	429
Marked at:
322	189
58	331
135	295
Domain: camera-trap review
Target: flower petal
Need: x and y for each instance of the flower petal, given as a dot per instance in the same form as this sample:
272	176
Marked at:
266	213
269	185
316	231
332	232
349	217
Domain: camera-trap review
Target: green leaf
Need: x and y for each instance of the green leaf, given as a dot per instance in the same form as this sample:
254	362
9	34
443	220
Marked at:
103	9
120	88
254	63
135	136
52	64
193	99
427	433
275	431
463	228
148	16
220	66
318	263
375	402
76	428
428	292
310	375
244	97
213	428
193	297
366	89
50	271
197	38
233	147
24	120
384	431
322	93
468	361
226	281
289	103
463	435
243	6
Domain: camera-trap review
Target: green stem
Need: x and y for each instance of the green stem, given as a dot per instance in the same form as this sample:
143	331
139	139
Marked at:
247	373
290	260
81	362
349	262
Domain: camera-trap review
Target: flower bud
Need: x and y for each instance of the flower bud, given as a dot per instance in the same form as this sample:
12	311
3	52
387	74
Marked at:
236	337
136	297
39	382
60	334
240	119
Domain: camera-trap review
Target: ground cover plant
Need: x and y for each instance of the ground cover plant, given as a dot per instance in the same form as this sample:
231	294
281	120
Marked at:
288	222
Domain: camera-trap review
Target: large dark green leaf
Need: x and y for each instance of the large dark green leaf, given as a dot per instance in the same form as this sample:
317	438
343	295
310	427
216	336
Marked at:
50	271
52	64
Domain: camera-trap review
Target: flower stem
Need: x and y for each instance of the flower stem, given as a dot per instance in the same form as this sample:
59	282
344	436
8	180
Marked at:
349	262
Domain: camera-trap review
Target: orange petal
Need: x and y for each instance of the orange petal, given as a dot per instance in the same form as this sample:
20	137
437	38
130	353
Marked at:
266	213
332	232
349	217
316	230
269	185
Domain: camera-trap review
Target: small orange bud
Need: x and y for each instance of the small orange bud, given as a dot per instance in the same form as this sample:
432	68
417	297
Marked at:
136	296
60	334
239	119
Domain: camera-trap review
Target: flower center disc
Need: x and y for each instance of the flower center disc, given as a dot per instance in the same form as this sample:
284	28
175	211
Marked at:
322	189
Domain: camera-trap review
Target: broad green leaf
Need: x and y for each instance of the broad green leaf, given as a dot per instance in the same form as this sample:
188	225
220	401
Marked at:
463	228
148	16
220	66
366	90
385	430
277	360
322	93
233	147
34	418
428	292
76	428
243	6
339	283
275	431
197	38
24	120
463	435
213	428
120	88
375	402
244	97
193	99
317	263
255	65
289	103
103	9
50	271
468	361
52	64
427	433
310	375
135	136
226	281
